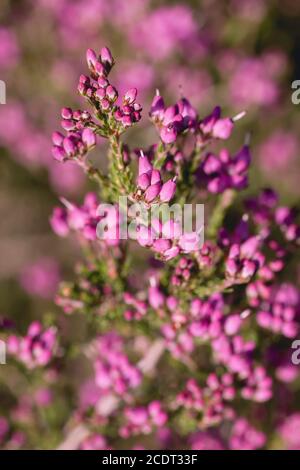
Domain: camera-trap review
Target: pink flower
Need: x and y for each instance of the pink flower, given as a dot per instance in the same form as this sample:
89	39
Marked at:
94	442
35	349
289	430
245	437
41	278
164	30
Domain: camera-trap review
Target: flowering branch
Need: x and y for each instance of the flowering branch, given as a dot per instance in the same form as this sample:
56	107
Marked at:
179	340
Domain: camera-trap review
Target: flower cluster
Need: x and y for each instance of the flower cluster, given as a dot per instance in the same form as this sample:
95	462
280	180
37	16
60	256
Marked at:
214	316
187	299
150	186
245	437
221	172
82	219
173	120
113	371
94	442
211	401
168	240
35	349
78	141
280	312
142	420
98	90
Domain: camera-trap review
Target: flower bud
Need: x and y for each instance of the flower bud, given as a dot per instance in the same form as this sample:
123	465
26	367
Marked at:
157	107
69	146
136	116
137	107
105	104
170	114
126	121
111	93
234	251
88	137
59	154
248	270
208	123
152	192
144	164
126	109
130	96
249	248
186	109
155	177
231	267
106	56
57	138
58	222
84	79
100	93
99	69
242	160
156	298
66	113
222	128
68	125
91	58
211	164
144	181
102	82
167	191
232	324
168	134
218	184
81	89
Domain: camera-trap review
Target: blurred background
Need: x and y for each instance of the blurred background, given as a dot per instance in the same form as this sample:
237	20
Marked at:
240	54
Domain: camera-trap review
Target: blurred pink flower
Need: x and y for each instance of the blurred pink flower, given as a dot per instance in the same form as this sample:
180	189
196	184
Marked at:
41	278
278	152
194	83
290	431
205	441
164	31
94	442
89	394
67	179
43	396
245	437
136	74
254	83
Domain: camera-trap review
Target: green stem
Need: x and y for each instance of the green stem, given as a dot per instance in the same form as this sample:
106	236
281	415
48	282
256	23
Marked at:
219	212
119	172
213	287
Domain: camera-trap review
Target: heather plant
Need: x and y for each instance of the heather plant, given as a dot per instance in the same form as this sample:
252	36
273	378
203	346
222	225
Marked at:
186	343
